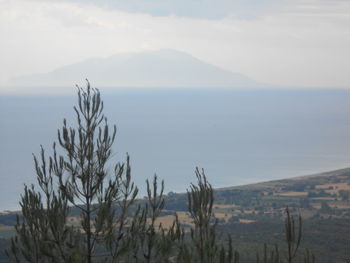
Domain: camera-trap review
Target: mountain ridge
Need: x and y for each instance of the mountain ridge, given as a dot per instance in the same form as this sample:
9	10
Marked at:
161	68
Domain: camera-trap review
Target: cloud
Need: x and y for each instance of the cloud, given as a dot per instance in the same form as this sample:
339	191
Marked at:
207	9
296	42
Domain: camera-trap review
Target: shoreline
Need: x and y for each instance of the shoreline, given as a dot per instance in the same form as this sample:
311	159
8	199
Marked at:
274	183
255	186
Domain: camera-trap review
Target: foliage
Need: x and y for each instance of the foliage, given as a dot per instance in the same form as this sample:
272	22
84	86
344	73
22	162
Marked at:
203	245
76	175
113	226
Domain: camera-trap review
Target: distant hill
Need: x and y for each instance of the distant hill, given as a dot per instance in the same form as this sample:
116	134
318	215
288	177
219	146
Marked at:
163	68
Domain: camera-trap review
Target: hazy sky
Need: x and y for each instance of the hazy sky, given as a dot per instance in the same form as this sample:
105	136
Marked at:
285	42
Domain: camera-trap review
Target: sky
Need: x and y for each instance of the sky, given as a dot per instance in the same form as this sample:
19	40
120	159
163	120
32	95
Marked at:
298	43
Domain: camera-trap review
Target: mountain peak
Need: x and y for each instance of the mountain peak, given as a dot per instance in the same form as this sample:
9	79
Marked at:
161	68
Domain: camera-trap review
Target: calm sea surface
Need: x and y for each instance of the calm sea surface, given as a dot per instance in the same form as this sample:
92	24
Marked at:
238	136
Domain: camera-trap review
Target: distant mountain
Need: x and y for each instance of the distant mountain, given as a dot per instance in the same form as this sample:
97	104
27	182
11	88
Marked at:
163	68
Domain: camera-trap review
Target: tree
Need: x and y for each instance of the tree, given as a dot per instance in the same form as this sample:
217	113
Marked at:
293	239
76	178
293	235
204	245
113	226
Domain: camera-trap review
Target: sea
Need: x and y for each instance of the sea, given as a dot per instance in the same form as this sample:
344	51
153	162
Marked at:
238	136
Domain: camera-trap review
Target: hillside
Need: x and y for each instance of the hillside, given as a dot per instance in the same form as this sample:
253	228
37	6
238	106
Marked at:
253	214
315	196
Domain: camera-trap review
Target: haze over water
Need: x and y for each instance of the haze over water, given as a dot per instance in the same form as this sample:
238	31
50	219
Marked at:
238	136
